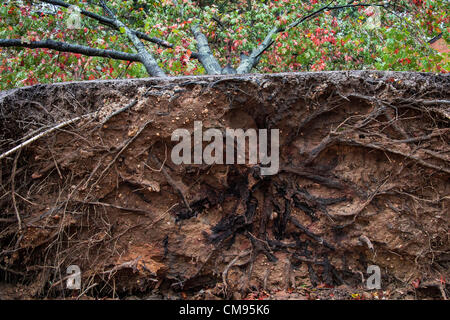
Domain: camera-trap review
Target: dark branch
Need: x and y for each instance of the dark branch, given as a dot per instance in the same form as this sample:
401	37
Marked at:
73	48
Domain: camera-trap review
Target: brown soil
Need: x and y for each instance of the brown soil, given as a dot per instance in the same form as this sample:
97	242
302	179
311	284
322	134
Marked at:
363	181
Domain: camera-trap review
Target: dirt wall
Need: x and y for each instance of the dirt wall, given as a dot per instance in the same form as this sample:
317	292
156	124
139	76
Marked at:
363	180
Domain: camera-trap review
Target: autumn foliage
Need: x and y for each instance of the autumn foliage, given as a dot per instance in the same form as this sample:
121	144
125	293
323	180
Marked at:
394	37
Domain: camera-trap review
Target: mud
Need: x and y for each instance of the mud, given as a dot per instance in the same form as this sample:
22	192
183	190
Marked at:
363	180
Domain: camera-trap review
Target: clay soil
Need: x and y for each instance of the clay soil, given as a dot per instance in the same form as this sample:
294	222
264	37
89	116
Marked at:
363	180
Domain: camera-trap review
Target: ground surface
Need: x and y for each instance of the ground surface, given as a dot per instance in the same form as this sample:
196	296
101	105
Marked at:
363	181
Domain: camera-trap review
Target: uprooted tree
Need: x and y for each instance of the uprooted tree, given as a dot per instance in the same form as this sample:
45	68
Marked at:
86	176
188	37
88	180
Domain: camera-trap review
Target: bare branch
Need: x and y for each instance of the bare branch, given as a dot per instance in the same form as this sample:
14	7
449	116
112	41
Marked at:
73	48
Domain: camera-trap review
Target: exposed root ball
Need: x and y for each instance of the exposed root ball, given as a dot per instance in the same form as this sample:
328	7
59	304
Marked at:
363	180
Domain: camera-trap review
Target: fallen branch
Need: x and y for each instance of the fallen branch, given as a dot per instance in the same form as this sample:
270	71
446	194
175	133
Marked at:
46	132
